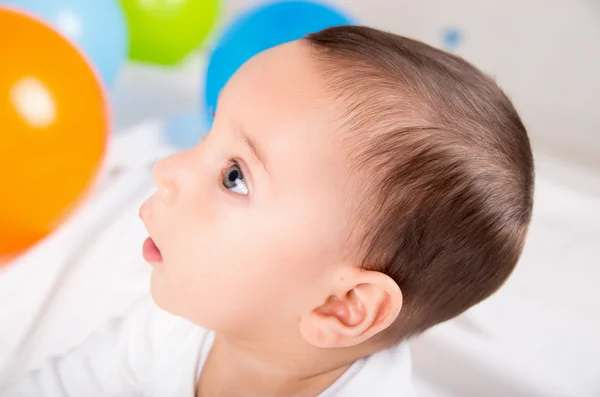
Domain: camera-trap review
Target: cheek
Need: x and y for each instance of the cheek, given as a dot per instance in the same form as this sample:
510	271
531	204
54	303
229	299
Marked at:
211	268
286	261
242	263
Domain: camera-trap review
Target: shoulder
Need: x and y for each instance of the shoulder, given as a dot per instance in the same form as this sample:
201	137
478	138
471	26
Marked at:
146	350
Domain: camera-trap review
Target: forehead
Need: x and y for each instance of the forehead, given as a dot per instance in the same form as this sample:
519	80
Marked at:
284	75
278	99
279	93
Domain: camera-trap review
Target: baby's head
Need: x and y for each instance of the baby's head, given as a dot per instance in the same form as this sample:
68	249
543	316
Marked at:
356	188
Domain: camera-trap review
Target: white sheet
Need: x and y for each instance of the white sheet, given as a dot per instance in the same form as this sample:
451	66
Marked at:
537	337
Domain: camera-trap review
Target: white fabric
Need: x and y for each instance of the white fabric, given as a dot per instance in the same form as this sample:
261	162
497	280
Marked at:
155	354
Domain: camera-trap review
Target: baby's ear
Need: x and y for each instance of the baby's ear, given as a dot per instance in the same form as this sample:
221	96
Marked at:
364	303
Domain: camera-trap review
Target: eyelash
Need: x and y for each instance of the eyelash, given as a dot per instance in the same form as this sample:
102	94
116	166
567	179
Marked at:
233	161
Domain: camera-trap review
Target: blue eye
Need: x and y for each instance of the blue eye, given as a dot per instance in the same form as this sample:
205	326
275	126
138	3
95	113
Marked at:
233	179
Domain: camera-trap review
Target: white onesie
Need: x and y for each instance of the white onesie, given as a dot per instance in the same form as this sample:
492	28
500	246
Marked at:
153	353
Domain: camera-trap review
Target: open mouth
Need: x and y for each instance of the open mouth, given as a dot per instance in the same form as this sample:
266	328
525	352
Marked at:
151	252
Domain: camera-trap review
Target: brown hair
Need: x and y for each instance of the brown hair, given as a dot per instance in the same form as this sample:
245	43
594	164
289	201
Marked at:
448	165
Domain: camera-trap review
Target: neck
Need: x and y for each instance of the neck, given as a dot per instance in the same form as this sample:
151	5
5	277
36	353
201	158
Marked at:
234	368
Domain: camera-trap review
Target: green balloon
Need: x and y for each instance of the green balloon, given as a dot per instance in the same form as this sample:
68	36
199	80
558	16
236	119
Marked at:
165	31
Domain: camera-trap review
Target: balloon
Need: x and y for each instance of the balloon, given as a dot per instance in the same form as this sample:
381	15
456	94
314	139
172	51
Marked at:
185	131
165	31
261	28
53	130
97	27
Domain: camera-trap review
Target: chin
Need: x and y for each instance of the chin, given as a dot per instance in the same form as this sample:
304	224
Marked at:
169	298
174	300
161	295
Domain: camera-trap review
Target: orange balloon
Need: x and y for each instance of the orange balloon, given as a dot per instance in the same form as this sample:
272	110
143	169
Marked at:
53	130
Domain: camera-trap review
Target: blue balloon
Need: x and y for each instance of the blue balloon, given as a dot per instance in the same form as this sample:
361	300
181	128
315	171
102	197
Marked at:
258	29
184	131
98	27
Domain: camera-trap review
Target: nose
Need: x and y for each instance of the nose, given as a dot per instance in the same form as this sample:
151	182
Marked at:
169	174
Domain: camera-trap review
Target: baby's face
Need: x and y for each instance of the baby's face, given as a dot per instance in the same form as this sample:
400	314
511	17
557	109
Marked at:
251	222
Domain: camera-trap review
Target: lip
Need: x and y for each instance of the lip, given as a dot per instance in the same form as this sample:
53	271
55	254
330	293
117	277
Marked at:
151	252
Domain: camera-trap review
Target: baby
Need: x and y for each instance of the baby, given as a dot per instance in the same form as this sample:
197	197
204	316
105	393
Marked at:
356	189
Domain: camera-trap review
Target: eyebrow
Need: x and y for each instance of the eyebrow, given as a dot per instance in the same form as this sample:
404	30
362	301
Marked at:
255	150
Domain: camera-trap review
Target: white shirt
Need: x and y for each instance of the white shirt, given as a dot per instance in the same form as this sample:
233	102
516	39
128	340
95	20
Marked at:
152	353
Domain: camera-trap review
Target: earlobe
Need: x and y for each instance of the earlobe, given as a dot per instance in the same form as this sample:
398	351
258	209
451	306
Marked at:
362	305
